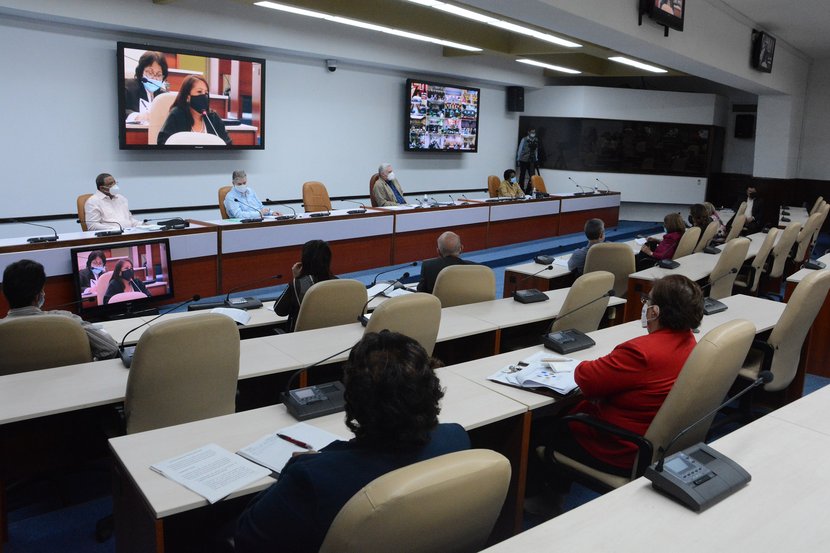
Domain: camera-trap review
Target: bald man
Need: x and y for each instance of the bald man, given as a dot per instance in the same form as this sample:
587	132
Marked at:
449	252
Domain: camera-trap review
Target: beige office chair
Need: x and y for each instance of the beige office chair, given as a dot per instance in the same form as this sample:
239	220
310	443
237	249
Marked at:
183	370
817	204
463	284
700	387
804	240
102	283
315	197
782	250
41	342
788	336
616	258
706	237
159	109
749	279
372	181
189	138
823	210
331	303
493	184
589	286
223	191
81	204
737	226
729	263
415	315
447	504
537	182
741	209
687	243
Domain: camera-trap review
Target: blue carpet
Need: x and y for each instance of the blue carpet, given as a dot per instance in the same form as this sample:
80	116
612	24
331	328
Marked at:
69	530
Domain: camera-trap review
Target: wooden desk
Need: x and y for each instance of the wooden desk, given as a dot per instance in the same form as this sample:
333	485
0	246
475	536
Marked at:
576	210
524	276
522	221
418	229
816	353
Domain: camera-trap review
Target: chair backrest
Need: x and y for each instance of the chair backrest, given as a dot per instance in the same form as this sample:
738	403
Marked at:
448	504
823	210
615	258
415	315
331	303
81	203
493	184
222	193
159	109
741	209
731	259
781	250
127	296
194	138
788	335
41	342
701	386
101	285
589	286
817	204
315	197
805	237
706	237
372	180
183	370
760	260
737	226
463	284
687	243
537	182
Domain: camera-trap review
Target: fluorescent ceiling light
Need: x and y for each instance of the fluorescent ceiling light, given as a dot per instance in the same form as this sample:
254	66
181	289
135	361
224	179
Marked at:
365	25
638	64
481	18
550	66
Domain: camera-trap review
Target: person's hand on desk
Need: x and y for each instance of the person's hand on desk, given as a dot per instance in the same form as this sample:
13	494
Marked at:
297	269
646	249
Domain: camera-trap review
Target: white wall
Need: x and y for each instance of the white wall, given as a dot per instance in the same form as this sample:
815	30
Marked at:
815	146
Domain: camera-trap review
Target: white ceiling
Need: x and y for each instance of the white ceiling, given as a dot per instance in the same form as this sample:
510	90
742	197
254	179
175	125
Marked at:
804	24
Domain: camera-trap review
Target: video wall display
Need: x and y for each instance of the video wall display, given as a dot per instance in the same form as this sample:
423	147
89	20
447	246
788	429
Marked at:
442	118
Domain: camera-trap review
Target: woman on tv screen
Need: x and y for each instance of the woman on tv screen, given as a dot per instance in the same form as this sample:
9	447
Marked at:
123	280
191	112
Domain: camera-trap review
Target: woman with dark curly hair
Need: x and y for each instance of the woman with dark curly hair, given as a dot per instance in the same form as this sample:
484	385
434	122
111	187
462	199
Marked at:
392	396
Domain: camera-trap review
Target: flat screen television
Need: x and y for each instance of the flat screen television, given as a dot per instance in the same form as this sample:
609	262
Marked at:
441	117
104	284
667	12
156	86
763	50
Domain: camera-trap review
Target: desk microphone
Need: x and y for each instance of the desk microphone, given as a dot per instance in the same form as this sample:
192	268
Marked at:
176	223
375	280
314	401
466	199
355	211
570	340
237	200
362	318
283	217
247	303
206	116
451	198
531	295
325	213
39	239
111	232
711	305
127	352
607	188
581	188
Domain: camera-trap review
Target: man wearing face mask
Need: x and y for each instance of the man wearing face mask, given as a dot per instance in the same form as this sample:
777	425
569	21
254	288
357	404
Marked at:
527	157
150	80
387	190
23	286
508	187
754	211
106	209
191	112
242	202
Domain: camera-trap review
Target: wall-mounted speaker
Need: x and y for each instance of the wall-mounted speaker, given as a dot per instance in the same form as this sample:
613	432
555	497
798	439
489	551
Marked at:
745	125
515	98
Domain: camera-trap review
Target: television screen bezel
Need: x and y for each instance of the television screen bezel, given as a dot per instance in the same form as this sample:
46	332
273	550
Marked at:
120	81
124	306
755	60
407	108
663	18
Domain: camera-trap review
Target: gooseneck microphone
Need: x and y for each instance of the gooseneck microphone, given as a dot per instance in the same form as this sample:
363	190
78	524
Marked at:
126	352
206	116
324	213
570	340
607	188
355	211
237	200
110	232
375	280
247	303
362	318
531	295
39	239
581	188
283	217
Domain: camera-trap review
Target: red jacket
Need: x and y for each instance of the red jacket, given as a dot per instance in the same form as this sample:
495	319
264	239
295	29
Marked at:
626	388
665	249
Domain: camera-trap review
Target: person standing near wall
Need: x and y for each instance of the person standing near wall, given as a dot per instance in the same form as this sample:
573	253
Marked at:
527	157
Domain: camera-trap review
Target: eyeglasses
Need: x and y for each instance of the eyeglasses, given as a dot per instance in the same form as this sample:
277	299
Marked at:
154	76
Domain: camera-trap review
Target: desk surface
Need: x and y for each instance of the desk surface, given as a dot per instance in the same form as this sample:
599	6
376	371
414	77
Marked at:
799	275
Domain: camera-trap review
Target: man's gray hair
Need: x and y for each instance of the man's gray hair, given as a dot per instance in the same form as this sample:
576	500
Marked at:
239	174
383	166
449	243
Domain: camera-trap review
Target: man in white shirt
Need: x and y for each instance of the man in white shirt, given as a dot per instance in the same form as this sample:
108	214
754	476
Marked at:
106	210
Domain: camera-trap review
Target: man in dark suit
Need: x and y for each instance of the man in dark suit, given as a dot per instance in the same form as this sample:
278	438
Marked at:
449	250
754	212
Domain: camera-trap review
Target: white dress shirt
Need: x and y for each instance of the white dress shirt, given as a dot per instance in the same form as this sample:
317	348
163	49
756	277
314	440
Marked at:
100	207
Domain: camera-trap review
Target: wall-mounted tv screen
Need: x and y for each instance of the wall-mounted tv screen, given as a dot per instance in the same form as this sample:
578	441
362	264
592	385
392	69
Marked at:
120	277
763	50
667	12
170	98
441	117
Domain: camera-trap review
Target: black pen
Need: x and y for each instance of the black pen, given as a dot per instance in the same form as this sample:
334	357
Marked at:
295	441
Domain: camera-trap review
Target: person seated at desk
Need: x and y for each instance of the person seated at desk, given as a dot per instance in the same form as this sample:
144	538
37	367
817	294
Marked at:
449	252
508	187
715	216
248	205
191	112
123	280
150	79
387	190
655	250
314	267
96	265
106	209
626	387
23	286
595	233
392	397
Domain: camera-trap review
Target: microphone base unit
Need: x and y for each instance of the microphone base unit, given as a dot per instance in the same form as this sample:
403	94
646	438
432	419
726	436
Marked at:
243	303
356	211
567	341
173	224
668	264
250	220
126	355
315	401
583	193
814	265
109	233
284	217
319	214
205	305
711	250
698	477
41	239
531	295
712	306
544	259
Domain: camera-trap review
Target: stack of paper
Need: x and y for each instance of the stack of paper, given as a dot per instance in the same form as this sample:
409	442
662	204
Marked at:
273	451
541	370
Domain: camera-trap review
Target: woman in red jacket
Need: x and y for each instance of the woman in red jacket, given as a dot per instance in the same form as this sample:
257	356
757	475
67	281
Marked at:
655	250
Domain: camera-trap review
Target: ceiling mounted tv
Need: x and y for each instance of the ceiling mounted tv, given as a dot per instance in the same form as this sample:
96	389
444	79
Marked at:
171	98
763	50
441	117
668	13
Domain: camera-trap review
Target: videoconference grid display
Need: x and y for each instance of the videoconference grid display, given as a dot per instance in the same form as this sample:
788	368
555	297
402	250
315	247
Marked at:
441	117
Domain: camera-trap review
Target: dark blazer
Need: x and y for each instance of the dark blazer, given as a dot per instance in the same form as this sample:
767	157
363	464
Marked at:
289	302
177	121
133	92
430	269
116	287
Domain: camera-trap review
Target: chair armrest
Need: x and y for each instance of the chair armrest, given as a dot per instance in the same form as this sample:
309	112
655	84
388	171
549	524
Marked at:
768	352
646	449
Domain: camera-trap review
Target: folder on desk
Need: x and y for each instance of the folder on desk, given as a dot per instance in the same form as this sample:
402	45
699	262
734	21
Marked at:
541	370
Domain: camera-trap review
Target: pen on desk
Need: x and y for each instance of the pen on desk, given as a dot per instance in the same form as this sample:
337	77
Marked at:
294	441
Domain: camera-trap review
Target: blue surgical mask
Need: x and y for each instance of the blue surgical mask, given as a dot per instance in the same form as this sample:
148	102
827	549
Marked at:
97	270
513	180
152	85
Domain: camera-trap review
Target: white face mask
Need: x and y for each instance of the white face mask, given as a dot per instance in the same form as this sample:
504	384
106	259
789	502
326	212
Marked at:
513	180
644	316
241	188
41	299
390	176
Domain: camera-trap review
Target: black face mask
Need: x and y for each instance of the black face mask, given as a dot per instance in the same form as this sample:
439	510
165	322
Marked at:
127	273
751	195
200	103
